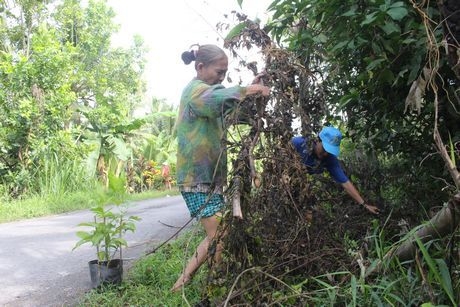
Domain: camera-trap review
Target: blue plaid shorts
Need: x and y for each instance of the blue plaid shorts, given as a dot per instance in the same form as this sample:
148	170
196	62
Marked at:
203	204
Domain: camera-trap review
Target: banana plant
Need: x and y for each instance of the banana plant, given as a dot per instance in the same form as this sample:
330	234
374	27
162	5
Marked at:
110	148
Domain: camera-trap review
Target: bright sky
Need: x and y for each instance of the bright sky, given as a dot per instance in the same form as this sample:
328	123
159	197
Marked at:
169	28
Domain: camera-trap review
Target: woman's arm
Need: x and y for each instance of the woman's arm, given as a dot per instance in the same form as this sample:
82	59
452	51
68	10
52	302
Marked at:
212	101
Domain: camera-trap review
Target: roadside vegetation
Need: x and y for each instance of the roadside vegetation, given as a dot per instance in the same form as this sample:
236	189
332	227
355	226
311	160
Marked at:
150	279
385	71
37	206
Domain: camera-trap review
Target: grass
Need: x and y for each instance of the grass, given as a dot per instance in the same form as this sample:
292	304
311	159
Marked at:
149	280
59	185
43	205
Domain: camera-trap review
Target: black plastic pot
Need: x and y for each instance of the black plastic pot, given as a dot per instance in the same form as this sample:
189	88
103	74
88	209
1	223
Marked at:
105	272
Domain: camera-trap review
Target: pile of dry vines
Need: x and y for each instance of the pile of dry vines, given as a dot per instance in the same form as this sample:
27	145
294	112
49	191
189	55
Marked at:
292	225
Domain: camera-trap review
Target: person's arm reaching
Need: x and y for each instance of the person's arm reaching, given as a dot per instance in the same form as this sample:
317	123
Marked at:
353	192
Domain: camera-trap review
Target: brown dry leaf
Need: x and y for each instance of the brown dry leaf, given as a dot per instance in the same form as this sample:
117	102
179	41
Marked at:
417	91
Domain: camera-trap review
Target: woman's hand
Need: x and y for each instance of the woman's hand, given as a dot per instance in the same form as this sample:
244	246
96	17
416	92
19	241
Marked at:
259	78
254	89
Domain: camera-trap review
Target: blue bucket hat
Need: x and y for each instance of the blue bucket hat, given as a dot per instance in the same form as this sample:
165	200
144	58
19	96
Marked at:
331	137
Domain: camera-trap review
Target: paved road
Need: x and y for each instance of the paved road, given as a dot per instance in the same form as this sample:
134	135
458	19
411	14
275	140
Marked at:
39	268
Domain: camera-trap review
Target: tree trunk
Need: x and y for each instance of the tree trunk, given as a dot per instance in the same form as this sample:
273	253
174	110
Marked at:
443	223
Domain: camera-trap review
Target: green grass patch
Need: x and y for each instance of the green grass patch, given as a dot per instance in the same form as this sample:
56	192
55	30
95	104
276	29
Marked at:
43	205
149	280
153	194
37	206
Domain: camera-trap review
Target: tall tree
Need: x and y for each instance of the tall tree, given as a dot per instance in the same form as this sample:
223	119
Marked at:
61	81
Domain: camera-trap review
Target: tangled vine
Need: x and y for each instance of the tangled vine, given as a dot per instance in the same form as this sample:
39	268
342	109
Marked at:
287	227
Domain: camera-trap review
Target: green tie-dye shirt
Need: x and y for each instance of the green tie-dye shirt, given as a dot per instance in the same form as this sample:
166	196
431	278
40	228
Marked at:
201	156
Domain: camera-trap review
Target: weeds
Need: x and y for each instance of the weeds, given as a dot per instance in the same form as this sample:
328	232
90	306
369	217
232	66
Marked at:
150	279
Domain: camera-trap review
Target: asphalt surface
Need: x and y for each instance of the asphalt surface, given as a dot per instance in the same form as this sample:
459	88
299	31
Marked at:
39	268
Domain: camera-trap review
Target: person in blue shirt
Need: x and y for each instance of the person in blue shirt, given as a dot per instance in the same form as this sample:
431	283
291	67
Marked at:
322	154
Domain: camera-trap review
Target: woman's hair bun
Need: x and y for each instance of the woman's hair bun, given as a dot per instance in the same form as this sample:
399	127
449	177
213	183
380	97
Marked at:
188	57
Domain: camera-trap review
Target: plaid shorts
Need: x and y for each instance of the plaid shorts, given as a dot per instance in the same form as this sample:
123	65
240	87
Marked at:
203	204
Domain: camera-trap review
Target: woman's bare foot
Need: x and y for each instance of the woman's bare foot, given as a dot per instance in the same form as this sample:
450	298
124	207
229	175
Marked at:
181	281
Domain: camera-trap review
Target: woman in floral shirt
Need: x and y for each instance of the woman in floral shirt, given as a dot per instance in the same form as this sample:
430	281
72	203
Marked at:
201	157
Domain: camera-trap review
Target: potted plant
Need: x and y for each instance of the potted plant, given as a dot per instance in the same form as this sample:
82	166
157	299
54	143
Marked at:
107	232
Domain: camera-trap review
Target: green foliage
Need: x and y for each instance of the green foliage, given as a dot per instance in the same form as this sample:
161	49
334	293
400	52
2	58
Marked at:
235	31
58	176
110	223
36	97
366	56
439	271
151	278
60	79
159	141
155	144
42	205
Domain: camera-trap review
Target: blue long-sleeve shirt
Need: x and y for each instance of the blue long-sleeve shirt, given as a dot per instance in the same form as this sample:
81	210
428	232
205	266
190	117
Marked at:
315	165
